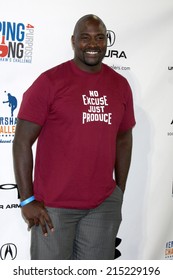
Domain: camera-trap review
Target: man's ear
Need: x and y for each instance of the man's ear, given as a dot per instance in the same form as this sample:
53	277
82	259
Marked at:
72	42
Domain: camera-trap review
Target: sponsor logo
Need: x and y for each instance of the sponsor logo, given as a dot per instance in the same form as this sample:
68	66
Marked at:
8	251
114	53
169	250
9	206
10	187
16	42
117	252
8	120
170	133
111	37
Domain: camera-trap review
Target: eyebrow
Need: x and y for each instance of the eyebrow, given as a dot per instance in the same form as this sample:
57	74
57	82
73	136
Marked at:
87	33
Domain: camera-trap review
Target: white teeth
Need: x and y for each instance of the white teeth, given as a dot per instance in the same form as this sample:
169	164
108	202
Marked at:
92	52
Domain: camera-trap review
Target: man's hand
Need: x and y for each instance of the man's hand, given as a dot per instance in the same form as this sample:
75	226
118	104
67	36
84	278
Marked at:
36	214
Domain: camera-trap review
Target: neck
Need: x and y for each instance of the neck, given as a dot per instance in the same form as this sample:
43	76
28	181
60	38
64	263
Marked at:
88	68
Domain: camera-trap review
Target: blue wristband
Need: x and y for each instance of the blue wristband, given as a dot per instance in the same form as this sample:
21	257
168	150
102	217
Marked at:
26	201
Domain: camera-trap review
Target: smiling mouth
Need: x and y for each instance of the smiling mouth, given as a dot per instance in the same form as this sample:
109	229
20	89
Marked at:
92	52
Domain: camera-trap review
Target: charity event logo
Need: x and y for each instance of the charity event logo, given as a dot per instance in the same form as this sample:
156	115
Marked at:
16	42
12	103
7	118
95	108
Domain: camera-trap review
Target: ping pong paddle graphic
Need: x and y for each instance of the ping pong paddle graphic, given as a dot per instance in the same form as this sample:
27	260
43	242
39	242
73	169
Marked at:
3	47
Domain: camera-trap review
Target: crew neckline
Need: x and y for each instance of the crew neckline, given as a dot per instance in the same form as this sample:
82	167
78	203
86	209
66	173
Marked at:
79	71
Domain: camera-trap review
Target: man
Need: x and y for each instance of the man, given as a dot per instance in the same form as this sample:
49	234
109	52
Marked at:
81	112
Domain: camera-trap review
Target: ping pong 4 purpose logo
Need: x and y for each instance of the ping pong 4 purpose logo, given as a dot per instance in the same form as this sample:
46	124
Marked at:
16	42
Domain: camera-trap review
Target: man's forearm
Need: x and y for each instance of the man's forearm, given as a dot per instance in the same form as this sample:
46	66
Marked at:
23	166
25	135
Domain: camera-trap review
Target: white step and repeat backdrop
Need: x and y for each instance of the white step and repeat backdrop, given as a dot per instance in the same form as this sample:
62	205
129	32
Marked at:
34	36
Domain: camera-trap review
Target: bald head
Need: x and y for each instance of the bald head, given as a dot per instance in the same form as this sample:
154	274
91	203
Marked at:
90	18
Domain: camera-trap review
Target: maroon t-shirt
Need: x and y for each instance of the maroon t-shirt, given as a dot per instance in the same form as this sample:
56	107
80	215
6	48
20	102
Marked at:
80	114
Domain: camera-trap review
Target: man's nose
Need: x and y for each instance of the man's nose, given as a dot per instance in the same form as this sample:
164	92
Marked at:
93	42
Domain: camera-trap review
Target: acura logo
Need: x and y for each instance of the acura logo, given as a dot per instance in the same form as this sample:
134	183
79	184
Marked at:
110	38
10	187
8	251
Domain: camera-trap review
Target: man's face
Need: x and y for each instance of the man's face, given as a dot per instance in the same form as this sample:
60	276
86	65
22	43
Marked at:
89	43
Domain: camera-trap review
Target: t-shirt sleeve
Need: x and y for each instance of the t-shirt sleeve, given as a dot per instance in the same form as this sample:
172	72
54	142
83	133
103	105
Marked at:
128	120
36	101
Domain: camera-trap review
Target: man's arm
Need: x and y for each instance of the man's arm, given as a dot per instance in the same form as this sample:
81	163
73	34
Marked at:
25	136
123	157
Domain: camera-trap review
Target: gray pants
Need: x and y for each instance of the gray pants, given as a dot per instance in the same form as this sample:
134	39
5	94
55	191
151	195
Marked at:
80	234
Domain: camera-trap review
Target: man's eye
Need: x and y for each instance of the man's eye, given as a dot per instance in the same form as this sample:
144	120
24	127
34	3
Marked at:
85	38
100	37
